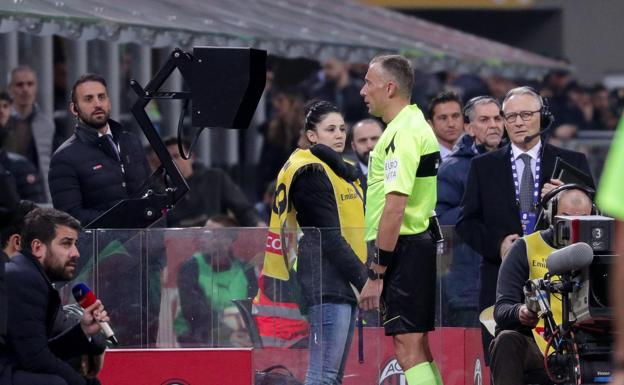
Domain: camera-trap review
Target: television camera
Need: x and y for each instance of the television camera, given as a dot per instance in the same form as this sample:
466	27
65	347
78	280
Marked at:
579	345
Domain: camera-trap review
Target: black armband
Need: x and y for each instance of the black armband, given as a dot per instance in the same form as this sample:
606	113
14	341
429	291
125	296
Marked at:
373	275
383	257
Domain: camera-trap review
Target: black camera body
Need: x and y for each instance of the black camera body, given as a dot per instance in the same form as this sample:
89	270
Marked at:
590	300
589	307
596	230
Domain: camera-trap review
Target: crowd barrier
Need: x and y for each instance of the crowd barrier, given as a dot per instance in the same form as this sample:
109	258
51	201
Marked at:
176	328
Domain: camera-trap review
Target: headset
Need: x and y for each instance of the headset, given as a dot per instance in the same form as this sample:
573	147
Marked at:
550	201
546	116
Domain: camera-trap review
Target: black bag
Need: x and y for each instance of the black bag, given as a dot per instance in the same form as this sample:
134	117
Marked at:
276	375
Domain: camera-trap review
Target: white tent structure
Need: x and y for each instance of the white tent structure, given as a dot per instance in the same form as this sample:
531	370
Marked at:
316	29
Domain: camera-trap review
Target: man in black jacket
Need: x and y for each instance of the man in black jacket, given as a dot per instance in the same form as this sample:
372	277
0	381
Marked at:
211	192
34	355
496	208
102	163
27	178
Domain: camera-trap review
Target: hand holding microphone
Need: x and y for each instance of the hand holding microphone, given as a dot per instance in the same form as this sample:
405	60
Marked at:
95	317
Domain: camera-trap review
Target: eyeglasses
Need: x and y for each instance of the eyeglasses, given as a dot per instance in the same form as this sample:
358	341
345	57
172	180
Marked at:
524	115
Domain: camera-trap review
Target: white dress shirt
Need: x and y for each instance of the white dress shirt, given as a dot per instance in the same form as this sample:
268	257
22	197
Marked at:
533	153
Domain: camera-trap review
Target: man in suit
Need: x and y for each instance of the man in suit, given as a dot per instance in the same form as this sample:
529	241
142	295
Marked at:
500	202
364	136
33	355
445	117
484	127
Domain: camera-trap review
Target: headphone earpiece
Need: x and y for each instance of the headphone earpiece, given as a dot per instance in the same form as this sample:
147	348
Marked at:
546	115
550	201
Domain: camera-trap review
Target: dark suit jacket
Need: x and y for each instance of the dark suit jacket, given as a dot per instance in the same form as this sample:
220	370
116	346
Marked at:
489	211
33	307
3	299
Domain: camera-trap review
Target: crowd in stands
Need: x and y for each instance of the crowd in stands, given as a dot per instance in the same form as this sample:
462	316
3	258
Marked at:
577	107
57	165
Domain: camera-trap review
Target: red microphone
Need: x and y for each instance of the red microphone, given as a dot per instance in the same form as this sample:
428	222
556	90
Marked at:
85	298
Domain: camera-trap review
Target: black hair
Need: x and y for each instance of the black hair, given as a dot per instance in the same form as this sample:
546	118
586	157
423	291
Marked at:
173	141
88	77
598	87
317	110
5	96
41	224
223	220
442	97
16	224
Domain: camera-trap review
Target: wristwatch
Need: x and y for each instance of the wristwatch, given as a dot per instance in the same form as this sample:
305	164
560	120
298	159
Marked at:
373	275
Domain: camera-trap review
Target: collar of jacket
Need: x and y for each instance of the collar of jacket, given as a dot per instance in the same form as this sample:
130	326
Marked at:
90	135
464	148
29	256
548	236
335	162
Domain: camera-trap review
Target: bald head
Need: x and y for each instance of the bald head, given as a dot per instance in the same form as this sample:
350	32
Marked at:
573	202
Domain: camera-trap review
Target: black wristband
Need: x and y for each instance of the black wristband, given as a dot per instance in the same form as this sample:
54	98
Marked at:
383	257
373	275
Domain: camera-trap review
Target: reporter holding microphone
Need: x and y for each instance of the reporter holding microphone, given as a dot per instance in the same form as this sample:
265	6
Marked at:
517	348
34	355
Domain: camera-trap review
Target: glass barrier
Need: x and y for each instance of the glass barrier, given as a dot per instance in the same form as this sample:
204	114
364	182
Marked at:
252	288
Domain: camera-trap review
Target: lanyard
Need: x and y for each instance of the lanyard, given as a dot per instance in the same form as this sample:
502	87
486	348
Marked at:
357	191
517	183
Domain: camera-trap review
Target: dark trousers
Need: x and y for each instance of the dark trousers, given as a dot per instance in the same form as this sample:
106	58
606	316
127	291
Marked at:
488	276
3	301
513	357
26	378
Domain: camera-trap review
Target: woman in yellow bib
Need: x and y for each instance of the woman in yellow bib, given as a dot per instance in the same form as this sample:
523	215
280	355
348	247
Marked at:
320	193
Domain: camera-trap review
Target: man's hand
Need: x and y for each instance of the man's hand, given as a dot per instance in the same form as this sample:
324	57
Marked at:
369	297
549	186
93	315
506	244
527	317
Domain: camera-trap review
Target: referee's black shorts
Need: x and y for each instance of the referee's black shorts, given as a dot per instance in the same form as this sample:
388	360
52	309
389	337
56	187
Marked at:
408	296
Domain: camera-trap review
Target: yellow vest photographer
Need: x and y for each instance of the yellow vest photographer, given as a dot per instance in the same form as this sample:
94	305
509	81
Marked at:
517	350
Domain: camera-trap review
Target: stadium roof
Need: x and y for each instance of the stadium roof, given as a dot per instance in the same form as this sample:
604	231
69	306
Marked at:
315	29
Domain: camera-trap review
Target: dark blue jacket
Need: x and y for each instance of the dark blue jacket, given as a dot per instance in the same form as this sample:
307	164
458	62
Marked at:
461	283
86	179
32	308
452	177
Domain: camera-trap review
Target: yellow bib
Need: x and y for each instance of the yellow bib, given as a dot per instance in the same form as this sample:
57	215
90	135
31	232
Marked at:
280	253
537	252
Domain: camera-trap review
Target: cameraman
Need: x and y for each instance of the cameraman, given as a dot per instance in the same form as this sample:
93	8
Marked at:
515	351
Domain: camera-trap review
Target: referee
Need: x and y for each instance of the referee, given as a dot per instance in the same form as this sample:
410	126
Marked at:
400	199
